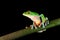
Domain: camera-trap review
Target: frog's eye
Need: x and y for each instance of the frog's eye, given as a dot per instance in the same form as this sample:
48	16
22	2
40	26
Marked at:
27	12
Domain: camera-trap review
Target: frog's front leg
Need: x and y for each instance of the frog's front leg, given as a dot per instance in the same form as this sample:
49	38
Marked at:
34	25
40	25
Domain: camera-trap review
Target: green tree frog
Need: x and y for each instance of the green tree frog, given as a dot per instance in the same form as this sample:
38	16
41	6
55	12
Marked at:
38	20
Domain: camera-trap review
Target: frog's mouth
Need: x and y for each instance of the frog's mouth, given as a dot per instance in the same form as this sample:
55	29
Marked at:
26	15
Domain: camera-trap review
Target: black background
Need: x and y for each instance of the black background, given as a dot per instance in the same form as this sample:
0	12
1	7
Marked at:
13	20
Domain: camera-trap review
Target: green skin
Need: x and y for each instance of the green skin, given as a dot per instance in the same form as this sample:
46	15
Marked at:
35	17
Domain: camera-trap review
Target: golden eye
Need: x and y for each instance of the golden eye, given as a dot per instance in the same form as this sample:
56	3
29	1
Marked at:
28	12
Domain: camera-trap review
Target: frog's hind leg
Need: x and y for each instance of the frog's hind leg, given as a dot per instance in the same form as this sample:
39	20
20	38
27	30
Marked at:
47	20
43	26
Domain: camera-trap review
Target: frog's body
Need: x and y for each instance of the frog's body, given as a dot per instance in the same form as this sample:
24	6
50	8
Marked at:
35	17
36	20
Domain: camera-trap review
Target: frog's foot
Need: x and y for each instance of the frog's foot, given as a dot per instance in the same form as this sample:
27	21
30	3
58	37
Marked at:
35	27
32	27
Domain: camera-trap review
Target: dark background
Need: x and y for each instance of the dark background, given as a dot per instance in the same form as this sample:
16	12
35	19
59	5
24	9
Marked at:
13	20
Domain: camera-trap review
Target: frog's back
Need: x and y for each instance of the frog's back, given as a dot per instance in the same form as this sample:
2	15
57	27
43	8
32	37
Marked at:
33	13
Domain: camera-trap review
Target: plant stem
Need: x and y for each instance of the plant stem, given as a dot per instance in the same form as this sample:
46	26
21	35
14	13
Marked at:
23	32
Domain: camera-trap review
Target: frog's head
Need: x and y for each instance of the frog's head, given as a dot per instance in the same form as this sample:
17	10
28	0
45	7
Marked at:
27	13
30	13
